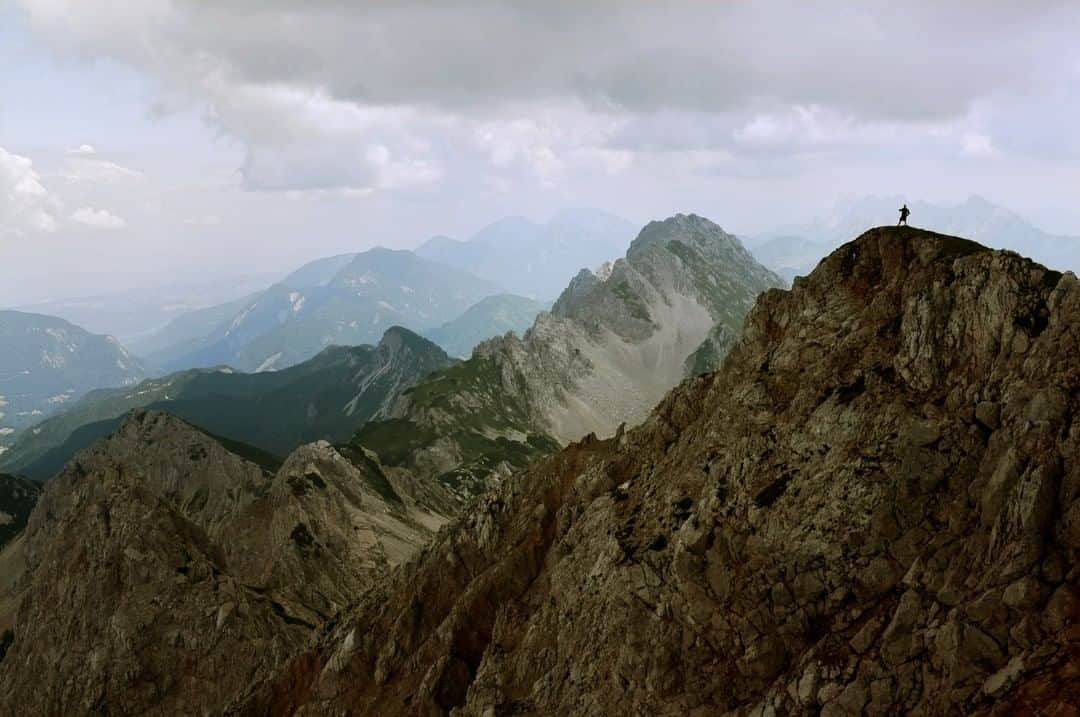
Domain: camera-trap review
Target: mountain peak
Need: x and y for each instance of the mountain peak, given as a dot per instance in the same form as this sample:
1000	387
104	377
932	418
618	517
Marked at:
688	228
871	508
892	249
398	337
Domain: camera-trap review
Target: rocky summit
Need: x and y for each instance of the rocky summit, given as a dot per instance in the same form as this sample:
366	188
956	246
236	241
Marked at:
872	508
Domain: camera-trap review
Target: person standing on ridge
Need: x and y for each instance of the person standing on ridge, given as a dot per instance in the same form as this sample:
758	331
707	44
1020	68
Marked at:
904	211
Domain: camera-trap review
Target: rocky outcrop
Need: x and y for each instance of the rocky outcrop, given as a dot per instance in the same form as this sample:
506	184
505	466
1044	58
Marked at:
162	572
872	508
608	351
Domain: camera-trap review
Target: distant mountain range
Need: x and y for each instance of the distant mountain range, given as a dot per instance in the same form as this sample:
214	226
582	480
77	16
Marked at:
352	298
612	344
339	301
536	260
133	315
47	363
327	397
795	251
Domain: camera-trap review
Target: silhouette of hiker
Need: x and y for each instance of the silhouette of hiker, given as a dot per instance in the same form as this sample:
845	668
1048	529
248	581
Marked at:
904	211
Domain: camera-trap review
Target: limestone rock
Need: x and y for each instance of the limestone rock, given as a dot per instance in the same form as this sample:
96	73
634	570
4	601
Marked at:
161	572
740	552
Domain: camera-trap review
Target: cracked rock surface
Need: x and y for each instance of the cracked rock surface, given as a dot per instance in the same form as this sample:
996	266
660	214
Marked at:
161	573
872	508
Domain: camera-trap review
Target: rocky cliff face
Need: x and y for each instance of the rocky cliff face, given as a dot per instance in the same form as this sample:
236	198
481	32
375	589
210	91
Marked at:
608	351
162	572
874	507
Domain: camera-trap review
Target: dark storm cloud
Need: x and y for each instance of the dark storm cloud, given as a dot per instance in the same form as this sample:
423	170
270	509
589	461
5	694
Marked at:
372	95
877	59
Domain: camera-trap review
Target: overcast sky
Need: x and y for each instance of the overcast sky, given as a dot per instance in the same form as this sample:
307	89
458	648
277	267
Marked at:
142	140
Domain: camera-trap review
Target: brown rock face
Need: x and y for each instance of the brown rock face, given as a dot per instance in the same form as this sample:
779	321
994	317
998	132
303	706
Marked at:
163	573
873	507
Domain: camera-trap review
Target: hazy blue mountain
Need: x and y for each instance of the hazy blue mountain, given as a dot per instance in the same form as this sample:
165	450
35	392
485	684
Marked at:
798	249
319	272
789	256
536	260
327	397
345	300
492	316
46	362
185	332
132	316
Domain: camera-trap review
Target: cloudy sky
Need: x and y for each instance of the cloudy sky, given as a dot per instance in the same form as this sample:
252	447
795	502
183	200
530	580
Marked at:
148	140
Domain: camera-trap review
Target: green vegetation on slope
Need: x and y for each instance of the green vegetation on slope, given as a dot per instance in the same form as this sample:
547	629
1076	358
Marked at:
328	397
467	414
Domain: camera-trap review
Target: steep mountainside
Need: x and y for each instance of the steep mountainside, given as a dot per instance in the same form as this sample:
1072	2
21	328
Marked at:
493	316
536	260
327	397
18	497
164	572
874	507
45	363
342	301
611	347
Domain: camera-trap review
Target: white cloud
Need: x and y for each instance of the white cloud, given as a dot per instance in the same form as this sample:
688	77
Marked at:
93	169
82	150
978	144
98	218
26	206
